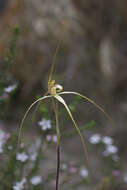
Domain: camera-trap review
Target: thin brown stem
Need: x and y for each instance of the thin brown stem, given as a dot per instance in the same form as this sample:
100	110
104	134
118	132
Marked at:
55	106
58	167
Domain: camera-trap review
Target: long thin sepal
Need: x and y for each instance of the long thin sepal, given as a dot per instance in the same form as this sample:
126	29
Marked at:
53	63
61	100
28	110
92	102
56	52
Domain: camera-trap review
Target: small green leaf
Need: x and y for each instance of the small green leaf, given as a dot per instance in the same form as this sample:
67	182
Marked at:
87	126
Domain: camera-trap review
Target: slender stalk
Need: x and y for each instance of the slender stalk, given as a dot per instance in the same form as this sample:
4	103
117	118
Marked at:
55	106
58	167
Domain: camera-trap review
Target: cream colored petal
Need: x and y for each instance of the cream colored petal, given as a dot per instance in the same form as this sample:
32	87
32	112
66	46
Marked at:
61	100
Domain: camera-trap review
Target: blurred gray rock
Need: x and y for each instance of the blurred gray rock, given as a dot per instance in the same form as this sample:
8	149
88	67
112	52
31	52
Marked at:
92	57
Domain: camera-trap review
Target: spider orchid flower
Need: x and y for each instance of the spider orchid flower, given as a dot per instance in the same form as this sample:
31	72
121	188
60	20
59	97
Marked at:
55	92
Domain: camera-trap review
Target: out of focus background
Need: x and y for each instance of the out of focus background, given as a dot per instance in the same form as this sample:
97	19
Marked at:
92	60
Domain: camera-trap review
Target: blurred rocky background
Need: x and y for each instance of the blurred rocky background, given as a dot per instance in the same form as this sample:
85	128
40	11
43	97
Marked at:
92	58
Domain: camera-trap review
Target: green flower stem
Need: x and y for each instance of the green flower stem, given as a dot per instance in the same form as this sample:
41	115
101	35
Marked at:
55	107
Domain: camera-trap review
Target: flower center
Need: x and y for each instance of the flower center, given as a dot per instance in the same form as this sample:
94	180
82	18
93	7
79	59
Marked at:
53	88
